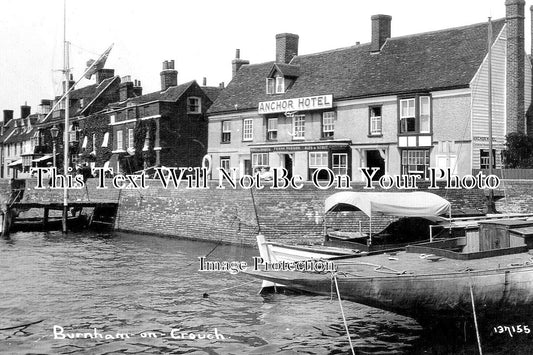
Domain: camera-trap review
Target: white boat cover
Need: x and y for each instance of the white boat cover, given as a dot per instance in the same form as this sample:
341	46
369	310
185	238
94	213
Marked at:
403	204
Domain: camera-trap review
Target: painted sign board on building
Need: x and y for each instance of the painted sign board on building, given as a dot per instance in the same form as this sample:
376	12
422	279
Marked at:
297	104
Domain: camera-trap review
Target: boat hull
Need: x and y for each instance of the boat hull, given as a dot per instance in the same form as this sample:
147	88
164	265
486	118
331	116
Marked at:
496	293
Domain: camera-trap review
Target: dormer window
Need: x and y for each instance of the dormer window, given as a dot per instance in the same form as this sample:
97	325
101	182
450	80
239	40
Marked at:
281	78
275	85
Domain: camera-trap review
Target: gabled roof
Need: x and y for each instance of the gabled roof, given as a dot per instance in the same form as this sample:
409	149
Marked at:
15	131
429	61
172	94
288	70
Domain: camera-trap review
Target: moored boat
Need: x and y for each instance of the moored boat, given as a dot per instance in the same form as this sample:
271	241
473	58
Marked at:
436	280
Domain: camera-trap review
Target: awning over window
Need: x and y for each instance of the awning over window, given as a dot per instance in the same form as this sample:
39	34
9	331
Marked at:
15	163
43	158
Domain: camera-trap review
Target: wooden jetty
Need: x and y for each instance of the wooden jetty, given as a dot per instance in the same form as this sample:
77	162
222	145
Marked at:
102	215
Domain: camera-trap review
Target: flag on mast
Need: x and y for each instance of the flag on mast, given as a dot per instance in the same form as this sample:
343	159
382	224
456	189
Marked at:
94	65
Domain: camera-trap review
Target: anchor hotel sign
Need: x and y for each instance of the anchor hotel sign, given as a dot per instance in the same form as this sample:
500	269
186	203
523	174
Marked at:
298	104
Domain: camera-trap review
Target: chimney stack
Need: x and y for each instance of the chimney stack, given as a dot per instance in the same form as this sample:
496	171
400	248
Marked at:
46	106
169	76
8	116
125	89
25	111
380	31
221	85
237	63
286	47
514	16
137	88
103	74
71	83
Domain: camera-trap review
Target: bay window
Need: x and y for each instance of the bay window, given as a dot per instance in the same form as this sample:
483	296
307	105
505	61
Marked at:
415	115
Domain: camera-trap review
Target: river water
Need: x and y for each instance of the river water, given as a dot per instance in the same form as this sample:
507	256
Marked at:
147	296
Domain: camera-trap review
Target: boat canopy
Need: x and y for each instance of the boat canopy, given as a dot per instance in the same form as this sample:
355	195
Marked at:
403	204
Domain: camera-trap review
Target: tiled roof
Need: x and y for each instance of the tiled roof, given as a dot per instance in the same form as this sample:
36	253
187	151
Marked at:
15	131
289	70
212	92
422	62
172	94
88	94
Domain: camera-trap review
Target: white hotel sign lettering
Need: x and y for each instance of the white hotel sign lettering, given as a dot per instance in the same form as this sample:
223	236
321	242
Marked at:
298	104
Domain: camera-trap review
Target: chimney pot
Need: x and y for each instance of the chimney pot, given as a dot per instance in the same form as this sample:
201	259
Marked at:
204	81
221	85
237	53
381	30
286	47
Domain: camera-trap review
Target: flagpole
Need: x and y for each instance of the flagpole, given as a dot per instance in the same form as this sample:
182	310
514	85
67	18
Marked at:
67	108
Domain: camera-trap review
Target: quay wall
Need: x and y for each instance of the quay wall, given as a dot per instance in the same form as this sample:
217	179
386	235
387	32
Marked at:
228	215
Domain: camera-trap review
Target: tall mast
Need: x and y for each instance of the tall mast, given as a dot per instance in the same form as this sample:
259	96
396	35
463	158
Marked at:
66	69
491	208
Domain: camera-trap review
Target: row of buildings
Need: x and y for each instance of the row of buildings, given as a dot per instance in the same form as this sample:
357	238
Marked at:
112	123
402	104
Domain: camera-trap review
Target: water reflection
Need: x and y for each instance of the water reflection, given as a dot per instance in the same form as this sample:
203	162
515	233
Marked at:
139	284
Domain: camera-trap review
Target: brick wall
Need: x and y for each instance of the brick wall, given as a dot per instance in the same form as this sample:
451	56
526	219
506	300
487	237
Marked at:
228	215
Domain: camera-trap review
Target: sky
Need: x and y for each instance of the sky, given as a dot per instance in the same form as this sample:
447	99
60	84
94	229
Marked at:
201	36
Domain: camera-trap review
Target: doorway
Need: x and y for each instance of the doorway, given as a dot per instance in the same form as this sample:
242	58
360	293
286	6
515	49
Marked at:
287	164
374	160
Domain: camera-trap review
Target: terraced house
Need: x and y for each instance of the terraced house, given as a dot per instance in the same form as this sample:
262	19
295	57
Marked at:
167	127
402	104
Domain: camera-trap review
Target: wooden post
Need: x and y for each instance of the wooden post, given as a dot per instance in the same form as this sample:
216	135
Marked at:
45	217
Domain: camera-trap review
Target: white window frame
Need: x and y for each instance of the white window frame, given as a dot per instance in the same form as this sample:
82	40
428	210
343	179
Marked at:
298	127
339	168
272	129
270	85
120	143
259	159
226	129
105	141
94	143
328	123
408	114
376	122
130	138
196	107
318	160
247	129
415	157
425	115
225	163
84	144
280	85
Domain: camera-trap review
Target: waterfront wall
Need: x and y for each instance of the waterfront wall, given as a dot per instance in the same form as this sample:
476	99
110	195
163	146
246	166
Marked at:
229	216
